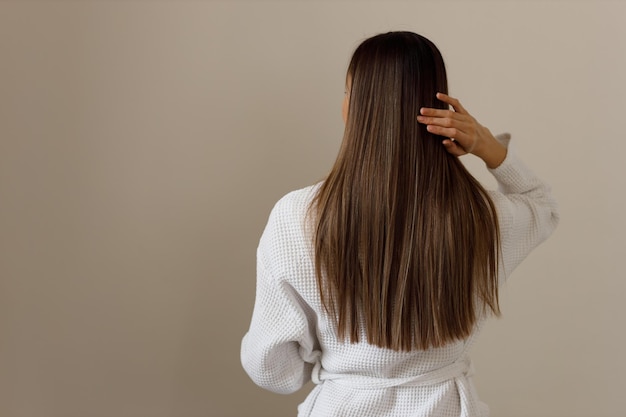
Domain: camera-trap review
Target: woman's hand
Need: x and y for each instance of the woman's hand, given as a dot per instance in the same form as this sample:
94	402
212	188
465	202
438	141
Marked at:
465	134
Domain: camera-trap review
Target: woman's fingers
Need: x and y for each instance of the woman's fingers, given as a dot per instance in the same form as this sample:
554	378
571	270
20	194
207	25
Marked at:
454	102
450	114
451	123
444	126
444	120
459	110
457	124
453	148
449	132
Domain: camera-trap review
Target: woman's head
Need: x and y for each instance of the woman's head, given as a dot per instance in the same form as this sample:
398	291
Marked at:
406	242
395	70
389	78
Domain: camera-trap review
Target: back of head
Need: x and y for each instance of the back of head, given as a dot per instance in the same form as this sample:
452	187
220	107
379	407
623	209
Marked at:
407	240
390	77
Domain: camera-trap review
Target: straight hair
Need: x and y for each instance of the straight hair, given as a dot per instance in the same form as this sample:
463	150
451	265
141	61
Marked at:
406	240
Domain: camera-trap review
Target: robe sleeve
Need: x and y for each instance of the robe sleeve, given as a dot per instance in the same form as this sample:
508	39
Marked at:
527	211
280	332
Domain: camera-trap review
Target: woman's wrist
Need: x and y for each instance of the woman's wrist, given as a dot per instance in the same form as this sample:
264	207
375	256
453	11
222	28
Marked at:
491	152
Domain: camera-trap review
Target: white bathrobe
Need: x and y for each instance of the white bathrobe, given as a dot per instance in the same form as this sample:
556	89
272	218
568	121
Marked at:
291	339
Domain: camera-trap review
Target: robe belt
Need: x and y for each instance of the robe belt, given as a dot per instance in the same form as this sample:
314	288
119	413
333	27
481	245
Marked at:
460	368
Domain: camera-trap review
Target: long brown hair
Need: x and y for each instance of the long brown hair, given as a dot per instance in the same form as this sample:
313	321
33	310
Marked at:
406	240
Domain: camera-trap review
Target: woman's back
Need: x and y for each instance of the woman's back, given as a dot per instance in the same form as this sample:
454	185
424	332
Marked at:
406	240
351	372
292	338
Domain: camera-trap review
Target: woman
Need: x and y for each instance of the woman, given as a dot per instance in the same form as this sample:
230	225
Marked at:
374	283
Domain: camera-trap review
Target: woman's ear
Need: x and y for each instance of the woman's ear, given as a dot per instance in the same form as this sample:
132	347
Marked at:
346	99
345	105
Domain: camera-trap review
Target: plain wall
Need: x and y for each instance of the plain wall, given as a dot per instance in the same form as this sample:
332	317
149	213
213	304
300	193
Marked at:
143	144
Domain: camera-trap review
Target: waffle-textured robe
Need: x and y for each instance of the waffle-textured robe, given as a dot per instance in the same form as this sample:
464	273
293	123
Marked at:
292	340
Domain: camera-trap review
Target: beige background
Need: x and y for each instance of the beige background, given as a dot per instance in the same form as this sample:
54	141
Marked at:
143	143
